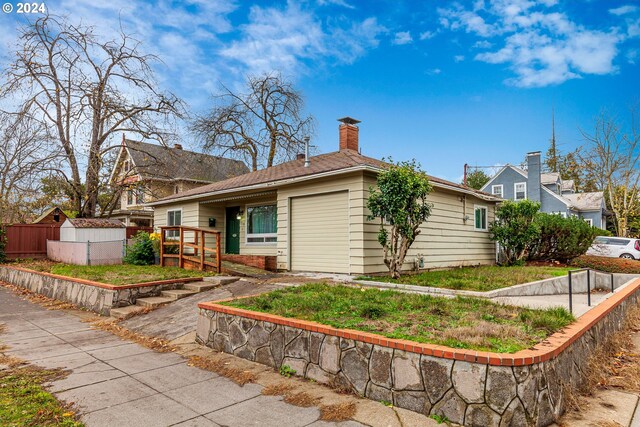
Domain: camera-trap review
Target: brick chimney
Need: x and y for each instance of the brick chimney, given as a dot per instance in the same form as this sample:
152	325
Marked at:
348	134
177	146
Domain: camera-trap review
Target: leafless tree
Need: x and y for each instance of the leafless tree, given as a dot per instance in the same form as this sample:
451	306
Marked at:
612	158
88	90
26	156
262	127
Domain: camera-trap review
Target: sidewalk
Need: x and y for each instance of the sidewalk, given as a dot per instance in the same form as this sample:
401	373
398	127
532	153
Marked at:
115	382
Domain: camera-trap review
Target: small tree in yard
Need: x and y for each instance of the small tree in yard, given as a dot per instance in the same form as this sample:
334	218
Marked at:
400	201
515	228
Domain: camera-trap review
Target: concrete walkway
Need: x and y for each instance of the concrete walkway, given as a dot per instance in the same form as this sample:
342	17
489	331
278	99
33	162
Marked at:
116	383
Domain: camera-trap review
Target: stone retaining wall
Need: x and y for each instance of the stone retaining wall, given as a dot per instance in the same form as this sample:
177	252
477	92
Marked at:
97	297
468	387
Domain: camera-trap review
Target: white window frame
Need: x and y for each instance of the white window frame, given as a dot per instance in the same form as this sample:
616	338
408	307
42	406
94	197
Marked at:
486	218
131	197
588	221
515	190
493	190
174	233
264	236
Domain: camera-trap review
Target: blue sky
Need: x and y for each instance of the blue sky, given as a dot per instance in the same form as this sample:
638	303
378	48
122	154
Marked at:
444	82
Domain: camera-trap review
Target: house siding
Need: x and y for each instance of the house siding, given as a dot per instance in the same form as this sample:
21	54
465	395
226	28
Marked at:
445	240
594	216
507	178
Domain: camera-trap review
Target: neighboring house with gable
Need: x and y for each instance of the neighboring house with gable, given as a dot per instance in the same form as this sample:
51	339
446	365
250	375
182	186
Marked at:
554	194
311	215
146	172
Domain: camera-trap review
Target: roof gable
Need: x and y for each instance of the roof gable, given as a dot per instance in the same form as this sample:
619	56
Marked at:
156	162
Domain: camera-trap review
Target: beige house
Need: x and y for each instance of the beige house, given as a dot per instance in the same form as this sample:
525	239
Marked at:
312	216
147	172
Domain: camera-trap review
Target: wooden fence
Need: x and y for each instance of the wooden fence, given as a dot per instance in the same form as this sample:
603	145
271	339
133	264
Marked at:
29	240
192	248
132	231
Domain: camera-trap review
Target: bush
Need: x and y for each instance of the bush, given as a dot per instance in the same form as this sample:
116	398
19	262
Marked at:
514	228
610	265
601	232
3	245
140	252
561	239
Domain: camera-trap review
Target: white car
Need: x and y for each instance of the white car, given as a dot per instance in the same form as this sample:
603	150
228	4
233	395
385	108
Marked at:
615	247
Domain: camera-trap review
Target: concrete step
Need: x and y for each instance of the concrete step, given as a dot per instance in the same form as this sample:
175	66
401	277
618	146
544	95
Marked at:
152	302
220	280
122	312
176	294
200	286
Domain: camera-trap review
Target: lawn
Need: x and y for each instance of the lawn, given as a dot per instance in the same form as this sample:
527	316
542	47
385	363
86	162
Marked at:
482	279
461	322
114	274
25	402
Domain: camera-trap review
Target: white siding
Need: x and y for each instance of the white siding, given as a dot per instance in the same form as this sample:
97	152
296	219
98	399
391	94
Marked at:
100	234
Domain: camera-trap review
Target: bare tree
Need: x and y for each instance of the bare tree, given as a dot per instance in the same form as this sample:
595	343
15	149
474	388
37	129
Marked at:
25	158
262	127
88	90
612	158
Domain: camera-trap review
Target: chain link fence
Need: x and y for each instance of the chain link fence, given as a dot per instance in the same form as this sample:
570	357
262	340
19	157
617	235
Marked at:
86	253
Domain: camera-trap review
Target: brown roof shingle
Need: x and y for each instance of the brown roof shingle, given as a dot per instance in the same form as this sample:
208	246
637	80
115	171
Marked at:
322	163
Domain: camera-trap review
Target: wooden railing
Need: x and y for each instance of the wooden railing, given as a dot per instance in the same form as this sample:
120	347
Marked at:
191	243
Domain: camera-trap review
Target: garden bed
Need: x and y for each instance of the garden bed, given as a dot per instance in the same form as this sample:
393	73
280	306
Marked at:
479	279
611	265
460	322
117	275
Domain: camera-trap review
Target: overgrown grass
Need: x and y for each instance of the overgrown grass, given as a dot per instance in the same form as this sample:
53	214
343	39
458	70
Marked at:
24	401
114	274
461	322
482	279
611	265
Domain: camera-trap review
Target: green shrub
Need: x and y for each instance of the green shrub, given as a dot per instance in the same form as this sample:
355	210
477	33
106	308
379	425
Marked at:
140	252
601	232
559	238
3	245
515	228
610	265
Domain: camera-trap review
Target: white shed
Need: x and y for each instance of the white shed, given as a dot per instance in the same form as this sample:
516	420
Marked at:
92	230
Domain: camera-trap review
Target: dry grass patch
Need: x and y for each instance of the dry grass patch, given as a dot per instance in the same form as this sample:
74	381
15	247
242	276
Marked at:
239	376
278	389
338	412
158	344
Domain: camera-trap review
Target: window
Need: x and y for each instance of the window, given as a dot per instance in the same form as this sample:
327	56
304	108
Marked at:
589	221
497	190
520	190
174	218
129	197
139	196
480	218
262	224
562	214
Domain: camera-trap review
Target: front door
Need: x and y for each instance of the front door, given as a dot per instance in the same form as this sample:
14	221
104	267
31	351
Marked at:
232	239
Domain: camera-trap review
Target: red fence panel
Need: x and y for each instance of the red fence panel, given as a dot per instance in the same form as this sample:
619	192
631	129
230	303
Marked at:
29	240
132	231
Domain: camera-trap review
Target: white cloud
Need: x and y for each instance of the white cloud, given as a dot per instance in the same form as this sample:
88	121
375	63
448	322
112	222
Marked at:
632	56
342	3
402	37
434	71
541	46
426	35
458	58
623	10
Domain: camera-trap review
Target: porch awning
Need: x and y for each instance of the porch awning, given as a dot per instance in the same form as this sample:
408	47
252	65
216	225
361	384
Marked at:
239	197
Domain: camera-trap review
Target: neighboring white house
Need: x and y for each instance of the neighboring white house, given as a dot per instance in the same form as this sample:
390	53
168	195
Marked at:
92	230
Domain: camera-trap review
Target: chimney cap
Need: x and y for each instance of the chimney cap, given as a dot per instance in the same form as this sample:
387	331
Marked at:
349	120
533	153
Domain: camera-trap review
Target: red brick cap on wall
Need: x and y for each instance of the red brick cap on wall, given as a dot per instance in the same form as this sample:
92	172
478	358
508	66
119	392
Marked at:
106	285
546	350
